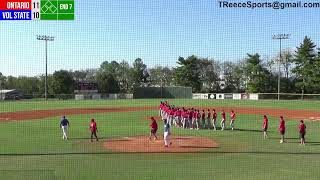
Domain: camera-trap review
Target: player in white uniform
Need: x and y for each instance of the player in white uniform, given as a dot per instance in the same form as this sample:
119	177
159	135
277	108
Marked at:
166	134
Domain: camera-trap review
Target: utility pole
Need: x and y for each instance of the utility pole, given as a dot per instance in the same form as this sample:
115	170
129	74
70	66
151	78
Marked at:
46	39
280	37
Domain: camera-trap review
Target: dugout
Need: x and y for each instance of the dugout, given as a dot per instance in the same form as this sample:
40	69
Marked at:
170	92
11	94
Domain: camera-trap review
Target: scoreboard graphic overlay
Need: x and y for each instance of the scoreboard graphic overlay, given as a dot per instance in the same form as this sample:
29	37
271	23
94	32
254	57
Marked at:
36	9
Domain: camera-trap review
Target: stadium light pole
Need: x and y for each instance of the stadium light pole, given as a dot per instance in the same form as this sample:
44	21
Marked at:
46	39
280	37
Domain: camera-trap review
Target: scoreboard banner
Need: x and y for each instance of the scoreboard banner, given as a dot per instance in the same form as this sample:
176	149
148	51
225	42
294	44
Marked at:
36	9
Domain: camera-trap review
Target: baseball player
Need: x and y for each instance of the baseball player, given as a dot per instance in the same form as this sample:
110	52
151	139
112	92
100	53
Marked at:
185	115
166	134
203	120
93	129
154	129
223	120
282	129
194	118
232	119
64	125
302	132
160	109
190	118
214	119
198	119
178	117
265	126
208	118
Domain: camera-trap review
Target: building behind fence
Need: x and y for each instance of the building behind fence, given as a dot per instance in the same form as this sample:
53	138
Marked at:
171	92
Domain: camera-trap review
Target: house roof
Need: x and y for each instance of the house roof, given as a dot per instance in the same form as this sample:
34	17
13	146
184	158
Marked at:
3	91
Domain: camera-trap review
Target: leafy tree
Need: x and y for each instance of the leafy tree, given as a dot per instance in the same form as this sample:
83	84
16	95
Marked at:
137	72
107	83
305	61
188	73
125	80
79	76
162	76
256	74
209	75
2	81
233	76
62	82
106	77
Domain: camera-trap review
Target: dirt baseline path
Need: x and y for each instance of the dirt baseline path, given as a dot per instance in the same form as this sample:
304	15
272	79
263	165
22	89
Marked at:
143	144
41	114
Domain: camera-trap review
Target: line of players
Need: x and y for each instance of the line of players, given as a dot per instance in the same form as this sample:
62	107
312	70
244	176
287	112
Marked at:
193	118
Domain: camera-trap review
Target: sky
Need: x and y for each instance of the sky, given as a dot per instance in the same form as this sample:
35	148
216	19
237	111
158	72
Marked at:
158	31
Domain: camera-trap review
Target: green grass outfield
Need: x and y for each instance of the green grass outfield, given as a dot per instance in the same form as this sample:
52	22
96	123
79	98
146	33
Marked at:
34	149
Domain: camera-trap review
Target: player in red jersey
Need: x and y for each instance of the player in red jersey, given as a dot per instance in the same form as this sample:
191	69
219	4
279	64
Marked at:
282	129
198	119
190	118
214	119
93	129
203	119
265	126
160	108
223	120
194	119
232	119
154	129
208	118
302	132
185	116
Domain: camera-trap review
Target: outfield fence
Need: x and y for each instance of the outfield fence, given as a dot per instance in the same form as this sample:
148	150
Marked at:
196	96
255	96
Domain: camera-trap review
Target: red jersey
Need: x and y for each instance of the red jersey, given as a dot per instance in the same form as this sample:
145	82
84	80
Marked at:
190	114
203	115
171	112
178	113
154	125
302	128
93	126
223	114
209	115
195	114
282	126
185	114
233	116
265	123
214	115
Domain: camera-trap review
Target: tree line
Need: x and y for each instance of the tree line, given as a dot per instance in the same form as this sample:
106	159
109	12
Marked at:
300	73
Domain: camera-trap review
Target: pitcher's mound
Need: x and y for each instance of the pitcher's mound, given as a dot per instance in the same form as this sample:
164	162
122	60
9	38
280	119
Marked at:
143	144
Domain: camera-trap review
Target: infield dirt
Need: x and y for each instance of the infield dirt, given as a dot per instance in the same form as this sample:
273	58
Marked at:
143	144
40	114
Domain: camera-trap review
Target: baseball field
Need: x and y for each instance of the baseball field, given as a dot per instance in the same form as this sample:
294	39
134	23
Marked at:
32	146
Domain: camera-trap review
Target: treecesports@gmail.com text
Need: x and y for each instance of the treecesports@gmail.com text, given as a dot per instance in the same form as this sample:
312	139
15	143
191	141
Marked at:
273	4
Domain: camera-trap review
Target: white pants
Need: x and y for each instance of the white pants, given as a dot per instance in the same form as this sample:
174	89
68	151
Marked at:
166	138
214	124
232	124
64	132
223	124
184	122
170	120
